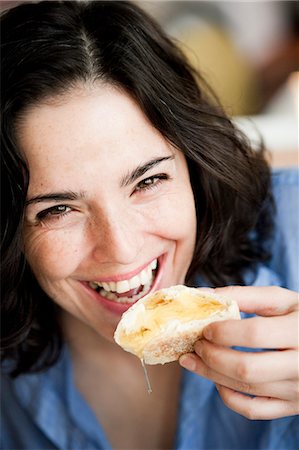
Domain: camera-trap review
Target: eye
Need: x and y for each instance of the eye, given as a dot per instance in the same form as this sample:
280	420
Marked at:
151	182
54	213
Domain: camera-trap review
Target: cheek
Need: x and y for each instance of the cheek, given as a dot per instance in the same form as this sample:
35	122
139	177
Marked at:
184	222
175	216
53	255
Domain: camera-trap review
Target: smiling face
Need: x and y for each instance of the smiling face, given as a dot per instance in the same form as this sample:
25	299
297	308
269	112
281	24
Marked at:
110	211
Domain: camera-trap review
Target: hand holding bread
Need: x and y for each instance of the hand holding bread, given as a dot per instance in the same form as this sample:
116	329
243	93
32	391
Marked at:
271	376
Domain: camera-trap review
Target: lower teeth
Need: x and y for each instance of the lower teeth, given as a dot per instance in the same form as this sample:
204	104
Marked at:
134	298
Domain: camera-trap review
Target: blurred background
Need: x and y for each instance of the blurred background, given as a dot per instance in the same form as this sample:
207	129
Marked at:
249	54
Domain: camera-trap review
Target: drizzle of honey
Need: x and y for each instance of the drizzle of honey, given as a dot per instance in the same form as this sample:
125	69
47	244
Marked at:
147	380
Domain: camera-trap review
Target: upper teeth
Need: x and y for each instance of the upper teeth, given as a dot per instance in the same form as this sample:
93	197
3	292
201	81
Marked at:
143	278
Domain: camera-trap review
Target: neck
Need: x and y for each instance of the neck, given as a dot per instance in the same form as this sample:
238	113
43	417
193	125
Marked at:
106	376
98	357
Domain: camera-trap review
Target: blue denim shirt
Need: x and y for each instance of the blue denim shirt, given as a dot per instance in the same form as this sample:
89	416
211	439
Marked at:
46	411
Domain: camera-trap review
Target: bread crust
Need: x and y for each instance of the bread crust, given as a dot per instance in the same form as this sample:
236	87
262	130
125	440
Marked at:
174	337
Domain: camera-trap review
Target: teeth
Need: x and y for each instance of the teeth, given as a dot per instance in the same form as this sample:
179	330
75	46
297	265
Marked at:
113	297
134	282
154	264
144	275
106	286
112	285
122	286
144	278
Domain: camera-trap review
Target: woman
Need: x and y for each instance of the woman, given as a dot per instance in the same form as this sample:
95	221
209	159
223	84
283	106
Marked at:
122	176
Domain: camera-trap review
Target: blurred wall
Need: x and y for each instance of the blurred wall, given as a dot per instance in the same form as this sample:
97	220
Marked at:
246	50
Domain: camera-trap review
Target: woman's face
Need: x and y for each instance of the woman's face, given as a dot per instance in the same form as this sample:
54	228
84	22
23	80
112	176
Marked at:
110	212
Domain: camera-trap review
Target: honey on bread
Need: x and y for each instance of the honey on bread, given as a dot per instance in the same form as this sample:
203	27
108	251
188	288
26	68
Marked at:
164	325
160	309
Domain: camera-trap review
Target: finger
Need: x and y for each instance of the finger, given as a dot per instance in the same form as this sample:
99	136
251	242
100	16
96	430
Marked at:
249	367
257	408
264	301
256	332
286	390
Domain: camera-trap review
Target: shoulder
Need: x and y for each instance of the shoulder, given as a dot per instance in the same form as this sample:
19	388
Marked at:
285	189
284	182
285	244
285	176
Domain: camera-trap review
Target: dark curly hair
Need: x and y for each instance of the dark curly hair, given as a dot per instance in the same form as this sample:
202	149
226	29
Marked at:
50	47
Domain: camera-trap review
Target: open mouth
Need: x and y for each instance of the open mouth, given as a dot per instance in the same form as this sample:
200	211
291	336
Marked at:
130	290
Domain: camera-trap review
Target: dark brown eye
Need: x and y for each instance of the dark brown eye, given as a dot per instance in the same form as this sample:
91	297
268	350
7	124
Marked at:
54	211
151	182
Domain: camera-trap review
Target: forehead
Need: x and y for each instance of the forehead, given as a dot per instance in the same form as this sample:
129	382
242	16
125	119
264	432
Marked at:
104	109
100	126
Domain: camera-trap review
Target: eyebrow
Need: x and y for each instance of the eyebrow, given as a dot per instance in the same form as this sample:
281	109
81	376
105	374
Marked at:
142	169
125	181
56	196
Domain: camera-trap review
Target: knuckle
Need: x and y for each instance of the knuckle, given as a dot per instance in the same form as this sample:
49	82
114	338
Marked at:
276	291
279	292
244	371
204	371
207	353
221	332
209	357
251	412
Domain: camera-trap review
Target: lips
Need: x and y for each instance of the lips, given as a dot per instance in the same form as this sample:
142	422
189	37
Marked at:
127	290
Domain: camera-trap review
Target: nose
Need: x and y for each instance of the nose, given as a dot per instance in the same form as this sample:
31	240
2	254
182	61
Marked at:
117	240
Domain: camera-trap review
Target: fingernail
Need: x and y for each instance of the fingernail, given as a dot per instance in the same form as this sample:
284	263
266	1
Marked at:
207	332
188	362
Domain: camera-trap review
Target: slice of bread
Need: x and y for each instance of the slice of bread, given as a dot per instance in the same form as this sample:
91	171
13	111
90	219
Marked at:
164	325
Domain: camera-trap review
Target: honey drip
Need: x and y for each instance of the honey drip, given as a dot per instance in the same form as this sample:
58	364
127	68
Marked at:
147	380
